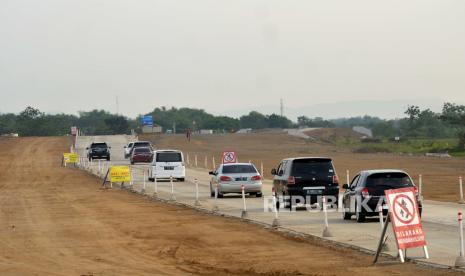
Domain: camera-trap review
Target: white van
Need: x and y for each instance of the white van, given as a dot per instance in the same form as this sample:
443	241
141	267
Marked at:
166	164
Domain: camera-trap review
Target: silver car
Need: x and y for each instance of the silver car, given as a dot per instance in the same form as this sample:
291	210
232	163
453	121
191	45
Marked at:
231	177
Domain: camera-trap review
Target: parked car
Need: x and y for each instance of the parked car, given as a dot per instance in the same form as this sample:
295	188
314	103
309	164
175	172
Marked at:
231	177
127	150
141	155
167	164
306	177
369	186
140	144
98	151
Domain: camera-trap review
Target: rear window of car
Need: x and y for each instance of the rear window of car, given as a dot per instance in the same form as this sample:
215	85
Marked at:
99	145
142	150
169	157
142	144
388	180
239	169
312	168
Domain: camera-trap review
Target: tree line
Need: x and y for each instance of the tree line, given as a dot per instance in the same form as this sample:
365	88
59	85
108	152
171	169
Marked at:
448	123
32	122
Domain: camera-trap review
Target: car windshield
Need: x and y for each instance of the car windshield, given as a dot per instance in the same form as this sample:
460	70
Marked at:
312	168
142	150
388	180
99	145
239	169
169	157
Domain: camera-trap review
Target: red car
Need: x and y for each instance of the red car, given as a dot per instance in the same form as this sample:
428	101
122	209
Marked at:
141	155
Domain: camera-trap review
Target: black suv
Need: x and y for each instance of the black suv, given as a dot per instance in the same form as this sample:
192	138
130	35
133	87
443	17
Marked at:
365	194
98	151
309	178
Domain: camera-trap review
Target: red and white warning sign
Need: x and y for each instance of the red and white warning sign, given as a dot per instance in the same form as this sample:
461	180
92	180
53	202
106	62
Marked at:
229	157
406	221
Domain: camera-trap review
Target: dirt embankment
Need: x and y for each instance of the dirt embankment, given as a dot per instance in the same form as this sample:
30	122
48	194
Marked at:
57	221
440	175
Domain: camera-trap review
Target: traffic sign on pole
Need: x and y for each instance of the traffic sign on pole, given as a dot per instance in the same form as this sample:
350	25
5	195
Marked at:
406	220
229	157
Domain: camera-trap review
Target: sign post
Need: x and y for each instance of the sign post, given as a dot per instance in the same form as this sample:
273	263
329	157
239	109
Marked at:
406	222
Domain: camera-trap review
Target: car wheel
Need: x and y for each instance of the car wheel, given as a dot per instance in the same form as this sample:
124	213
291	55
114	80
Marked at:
259	195
90	158
108	158
151	179
359	215
182	179
132	162
345	215
220	195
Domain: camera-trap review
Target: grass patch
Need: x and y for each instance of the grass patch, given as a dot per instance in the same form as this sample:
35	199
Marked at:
414	146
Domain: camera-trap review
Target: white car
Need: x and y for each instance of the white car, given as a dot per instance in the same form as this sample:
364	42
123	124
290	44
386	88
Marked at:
167	164
127	150
229	178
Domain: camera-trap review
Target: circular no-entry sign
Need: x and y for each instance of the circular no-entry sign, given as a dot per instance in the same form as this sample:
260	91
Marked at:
229	157
404	209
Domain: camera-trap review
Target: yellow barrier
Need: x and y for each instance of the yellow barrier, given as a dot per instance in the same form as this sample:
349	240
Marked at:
70	157
120	174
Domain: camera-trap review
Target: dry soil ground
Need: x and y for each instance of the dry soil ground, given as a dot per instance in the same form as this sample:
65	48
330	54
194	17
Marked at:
57	221
440	176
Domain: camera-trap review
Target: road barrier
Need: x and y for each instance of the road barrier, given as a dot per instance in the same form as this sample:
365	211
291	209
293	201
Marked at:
461	201
348	177
188	159
155	183
196	163
460	261
206	162
244	207
213	163
420	186
172	197
326	232
215	205
261	170
275	223
196	182
143	183
131	182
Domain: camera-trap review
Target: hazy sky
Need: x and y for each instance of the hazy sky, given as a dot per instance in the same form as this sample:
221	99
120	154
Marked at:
224	56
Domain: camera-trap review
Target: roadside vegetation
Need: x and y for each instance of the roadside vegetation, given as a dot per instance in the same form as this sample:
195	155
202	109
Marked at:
405	146
418	132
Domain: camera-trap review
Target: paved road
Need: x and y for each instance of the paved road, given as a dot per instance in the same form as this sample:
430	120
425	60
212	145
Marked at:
439	218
